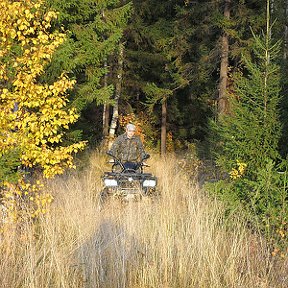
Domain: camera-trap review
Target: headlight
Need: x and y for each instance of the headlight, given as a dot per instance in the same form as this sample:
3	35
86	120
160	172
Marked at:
110	182
149	183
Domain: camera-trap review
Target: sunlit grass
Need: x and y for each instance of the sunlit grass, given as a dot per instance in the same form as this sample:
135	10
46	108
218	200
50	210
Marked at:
180	239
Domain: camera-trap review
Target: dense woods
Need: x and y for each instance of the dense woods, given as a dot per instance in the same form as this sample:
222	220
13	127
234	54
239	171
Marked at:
201	77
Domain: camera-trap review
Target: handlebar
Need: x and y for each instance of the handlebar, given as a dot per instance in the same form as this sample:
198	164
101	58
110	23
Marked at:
123	168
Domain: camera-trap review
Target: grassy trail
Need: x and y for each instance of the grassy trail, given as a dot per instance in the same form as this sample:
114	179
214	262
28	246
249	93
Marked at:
181	240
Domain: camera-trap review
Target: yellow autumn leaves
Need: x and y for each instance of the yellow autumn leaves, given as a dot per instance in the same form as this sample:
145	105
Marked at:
33	115
25	195
239	171
25	24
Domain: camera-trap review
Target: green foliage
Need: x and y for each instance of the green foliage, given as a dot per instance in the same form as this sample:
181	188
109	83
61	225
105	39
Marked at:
154	68
246	144
155	94
270	202
263	200
174	45
9	164
252	131
95	30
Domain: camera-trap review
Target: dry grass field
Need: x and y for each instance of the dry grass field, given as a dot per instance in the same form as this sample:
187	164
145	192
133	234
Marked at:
178	240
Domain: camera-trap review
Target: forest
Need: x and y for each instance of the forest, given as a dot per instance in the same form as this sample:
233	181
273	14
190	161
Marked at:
204	82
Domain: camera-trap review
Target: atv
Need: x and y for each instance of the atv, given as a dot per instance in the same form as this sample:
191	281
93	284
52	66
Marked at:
128	180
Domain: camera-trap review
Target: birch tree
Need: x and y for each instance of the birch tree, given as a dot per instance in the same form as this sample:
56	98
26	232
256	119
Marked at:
33	115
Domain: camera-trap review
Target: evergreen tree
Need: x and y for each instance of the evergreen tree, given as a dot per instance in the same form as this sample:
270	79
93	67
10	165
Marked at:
175	46
157	66
251	132
96	28
247	140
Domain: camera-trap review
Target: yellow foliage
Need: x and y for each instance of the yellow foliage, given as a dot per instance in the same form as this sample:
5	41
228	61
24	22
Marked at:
32	115
236	173
25	200
169	142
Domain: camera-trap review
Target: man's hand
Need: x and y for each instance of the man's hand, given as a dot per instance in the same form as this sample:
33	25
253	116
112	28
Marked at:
109	153
146	156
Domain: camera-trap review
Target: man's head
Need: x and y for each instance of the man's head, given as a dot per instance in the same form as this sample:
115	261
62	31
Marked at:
130	130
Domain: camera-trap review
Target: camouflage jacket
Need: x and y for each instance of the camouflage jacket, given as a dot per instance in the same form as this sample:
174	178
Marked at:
126	149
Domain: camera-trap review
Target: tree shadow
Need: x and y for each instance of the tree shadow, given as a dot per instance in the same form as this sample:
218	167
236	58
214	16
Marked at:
108	257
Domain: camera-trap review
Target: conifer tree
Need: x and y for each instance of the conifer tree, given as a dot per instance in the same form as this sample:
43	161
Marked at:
248	141
152	70
176	46
96	28
251	132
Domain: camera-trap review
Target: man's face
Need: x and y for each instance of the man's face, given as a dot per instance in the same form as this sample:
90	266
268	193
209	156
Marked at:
130	133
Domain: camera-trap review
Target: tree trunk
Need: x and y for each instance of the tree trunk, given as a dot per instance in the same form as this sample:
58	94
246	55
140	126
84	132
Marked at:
222	99
164	127
118	86
106	118
270	5
106	114
285	54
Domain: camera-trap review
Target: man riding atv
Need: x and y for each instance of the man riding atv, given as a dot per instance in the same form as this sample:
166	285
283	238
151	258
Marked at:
127	179
128	148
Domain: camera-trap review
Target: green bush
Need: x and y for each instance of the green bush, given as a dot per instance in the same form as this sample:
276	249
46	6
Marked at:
9	164
246	142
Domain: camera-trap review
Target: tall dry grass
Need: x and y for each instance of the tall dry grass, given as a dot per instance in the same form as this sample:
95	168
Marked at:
180	239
